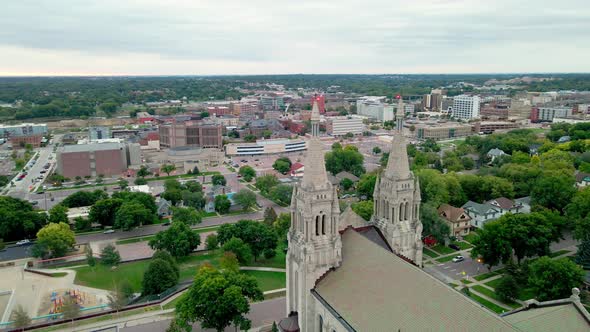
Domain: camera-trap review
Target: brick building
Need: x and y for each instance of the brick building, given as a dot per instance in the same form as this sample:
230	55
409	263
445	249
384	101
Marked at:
191	134
108	159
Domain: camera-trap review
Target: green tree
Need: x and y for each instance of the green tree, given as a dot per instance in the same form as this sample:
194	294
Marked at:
132	214
193	199
222	204
218	180
229	262
165	255
21	318
188	215
270	215
491	246
348	159
70	309
282	165
249	138
117	299
109	256
346	183
55	239
282	225
266	182
104	211
158	277
363	209
245	198
123	184
82	224
554	279
432	224
140	182
57	214
147	200
258	236
2	245
143	171
239	248
168	168
553	191
179	240
174	196
507	288
211	242
281	194
84	198
366	185
90	259
247	173
376	150
583	253
218	299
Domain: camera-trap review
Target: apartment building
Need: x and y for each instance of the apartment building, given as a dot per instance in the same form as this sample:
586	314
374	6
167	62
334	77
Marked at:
466	107
546	114
342	125
375	107
24	133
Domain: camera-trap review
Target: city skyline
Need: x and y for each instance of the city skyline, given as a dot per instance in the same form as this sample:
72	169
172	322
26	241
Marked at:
64	38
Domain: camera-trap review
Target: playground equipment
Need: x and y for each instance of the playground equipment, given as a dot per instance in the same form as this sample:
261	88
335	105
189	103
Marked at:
58	300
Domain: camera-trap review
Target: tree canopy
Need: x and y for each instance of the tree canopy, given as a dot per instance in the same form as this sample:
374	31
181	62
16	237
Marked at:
179	240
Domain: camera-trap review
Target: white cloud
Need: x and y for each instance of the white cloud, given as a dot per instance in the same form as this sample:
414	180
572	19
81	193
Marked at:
262	36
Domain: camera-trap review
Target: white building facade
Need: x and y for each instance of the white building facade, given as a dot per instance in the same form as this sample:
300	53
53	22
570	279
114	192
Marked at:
375	107
466	107
342	125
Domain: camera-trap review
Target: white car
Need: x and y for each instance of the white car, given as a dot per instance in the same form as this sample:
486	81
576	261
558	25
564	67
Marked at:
458	259
23	242
109	231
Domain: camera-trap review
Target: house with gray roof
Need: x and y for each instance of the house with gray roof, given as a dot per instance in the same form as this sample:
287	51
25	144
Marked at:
496	153
481	213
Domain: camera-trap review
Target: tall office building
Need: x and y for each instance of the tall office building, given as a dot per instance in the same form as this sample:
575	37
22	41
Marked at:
96	133
466	107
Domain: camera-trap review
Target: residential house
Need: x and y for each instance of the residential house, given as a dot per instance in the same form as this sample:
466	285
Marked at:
481	213
496	153
456	218
209	202
164	208
345	175
582	180
297	169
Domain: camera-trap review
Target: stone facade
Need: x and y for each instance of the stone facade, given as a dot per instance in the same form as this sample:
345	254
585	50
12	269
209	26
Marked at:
397	204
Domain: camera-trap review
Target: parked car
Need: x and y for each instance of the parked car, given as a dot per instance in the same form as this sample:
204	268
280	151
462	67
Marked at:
109	231
458	259
454	246
23	242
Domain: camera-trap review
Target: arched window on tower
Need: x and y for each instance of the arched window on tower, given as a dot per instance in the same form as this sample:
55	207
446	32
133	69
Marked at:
317	225
321	323
401	211
406	211
324	224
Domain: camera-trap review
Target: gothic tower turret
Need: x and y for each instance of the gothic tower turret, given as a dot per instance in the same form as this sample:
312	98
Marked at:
314	241
397	202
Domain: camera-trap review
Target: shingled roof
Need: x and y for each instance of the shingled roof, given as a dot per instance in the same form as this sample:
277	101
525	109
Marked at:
375	290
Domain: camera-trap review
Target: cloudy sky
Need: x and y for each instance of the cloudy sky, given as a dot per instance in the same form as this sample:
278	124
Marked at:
203	37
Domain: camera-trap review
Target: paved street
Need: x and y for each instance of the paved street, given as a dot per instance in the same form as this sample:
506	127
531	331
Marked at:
261	314
450	271
22	187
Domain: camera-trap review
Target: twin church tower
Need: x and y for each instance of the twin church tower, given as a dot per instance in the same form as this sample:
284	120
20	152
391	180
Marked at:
315	245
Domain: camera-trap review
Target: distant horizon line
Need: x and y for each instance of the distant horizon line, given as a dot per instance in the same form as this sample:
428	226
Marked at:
285	74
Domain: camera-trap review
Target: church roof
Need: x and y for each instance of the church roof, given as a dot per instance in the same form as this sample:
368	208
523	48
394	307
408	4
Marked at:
398	166
314	176
374	290
350	218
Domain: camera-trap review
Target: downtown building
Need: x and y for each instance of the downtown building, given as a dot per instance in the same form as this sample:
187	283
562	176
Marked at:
376	108
546	114
342	125
191	134
93	159
25	133
466	107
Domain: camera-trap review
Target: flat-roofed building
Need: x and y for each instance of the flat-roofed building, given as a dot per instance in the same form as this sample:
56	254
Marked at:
375	107
191	133
24	133
342	125
441	131
466	107
265	147
546	114
108	159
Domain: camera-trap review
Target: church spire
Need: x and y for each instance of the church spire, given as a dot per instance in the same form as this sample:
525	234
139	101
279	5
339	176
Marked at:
315	119
398	164
399	115
314	176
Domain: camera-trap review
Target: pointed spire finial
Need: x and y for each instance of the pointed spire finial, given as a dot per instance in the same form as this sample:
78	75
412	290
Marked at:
398	166
314	175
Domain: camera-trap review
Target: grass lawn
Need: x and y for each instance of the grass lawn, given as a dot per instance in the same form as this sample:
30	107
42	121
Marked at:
430	253
59	274
443	250
485	276
494	283
208	214
268	280
453	284
491	294
206	229
463	245
492	306
466	282
526	294
558	253
252	187
277	262
445	259
103	277
172	304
